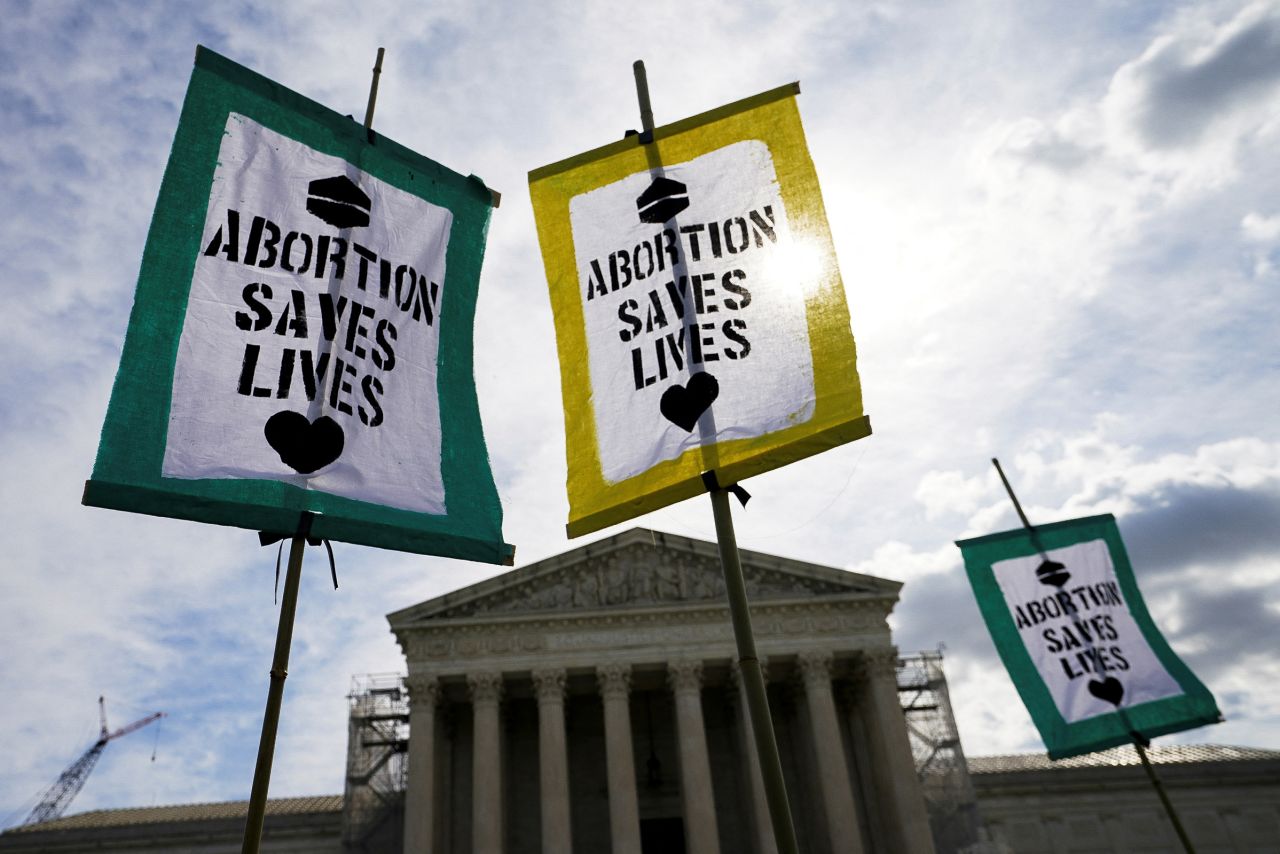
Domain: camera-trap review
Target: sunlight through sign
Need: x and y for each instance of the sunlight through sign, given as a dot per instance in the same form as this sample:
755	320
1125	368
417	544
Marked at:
700	317
301	336
1066	615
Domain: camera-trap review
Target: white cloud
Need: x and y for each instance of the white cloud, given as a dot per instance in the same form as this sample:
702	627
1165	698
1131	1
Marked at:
1264	233
901	562
1257	228
1202	77
943	492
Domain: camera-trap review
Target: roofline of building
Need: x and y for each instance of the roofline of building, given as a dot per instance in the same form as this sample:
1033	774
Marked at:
179	813
882	587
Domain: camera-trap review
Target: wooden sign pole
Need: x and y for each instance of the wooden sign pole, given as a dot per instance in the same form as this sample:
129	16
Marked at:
275	695
775	789
284	631
1137	737
373	89
1164	797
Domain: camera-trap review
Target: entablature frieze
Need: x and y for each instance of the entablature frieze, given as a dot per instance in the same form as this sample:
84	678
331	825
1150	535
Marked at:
640	636
641	575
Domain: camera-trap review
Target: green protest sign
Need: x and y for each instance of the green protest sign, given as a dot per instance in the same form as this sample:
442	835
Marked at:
301	336
1068	620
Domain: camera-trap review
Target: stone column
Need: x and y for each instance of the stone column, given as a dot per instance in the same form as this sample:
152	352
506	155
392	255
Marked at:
897	786
761	821
420	789
553	761
624	806
833	770
486	774
865	785
695	765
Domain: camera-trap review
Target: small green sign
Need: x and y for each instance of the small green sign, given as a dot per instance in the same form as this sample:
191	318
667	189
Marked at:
1067	618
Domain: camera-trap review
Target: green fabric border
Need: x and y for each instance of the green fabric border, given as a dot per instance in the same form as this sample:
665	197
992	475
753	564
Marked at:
126	474
1195	707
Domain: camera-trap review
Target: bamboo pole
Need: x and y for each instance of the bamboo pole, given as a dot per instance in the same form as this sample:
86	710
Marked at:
373	90
284	631
275	696
1017	505
642	93
1164	796
784	832
749	662
775	790
1137	737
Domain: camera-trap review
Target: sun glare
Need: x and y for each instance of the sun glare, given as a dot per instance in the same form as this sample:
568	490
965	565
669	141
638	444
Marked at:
799	262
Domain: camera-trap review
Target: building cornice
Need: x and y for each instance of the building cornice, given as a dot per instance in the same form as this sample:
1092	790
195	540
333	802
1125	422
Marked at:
582	640
604	575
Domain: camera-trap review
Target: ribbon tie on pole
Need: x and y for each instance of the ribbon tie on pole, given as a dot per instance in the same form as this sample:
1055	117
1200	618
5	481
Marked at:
266	538
712	484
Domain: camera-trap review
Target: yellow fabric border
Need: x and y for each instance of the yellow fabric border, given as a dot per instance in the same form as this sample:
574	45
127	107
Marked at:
682	126
773	118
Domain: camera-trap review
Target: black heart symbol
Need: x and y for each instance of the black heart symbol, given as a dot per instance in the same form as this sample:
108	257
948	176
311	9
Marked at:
683	405
1108	689
304	445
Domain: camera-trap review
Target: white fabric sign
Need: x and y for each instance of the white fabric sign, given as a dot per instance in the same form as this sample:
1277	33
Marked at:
689	272
1078	631
308	350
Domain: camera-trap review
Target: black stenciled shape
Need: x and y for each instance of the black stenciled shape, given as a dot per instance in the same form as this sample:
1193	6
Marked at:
304	445
1053	573
683	405
664	198
1108	689
339	202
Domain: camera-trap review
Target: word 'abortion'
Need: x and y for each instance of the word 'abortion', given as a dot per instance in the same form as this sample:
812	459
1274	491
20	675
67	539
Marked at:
359	330
665	308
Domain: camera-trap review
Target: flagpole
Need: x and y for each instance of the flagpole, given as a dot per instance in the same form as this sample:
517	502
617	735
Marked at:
275	696
1009	489
373	90
775	789
1164	797
284	631
642	93
1137	737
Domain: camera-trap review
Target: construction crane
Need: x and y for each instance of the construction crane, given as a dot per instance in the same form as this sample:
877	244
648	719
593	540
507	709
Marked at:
59	796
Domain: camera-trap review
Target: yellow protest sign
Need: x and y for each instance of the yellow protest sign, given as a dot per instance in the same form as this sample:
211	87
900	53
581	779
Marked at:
700	317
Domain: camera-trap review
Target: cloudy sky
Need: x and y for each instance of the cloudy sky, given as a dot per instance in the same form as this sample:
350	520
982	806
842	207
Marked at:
1059	231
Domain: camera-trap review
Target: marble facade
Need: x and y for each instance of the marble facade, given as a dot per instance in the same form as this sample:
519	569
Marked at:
589	702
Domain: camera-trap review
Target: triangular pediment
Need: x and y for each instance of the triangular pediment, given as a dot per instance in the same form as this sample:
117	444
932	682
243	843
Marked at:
637	569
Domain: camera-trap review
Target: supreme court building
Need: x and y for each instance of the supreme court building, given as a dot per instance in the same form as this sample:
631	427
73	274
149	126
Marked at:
591	702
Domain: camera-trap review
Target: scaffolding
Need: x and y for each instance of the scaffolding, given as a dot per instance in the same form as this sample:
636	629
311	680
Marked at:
939	759
377	762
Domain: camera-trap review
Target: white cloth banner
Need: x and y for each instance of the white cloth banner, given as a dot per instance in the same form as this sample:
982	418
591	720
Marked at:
308	350
1079	632
690	272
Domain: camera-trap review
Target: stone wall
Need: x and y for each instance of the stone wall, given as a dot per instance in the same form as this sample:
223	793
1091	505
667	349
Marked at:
1227	807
